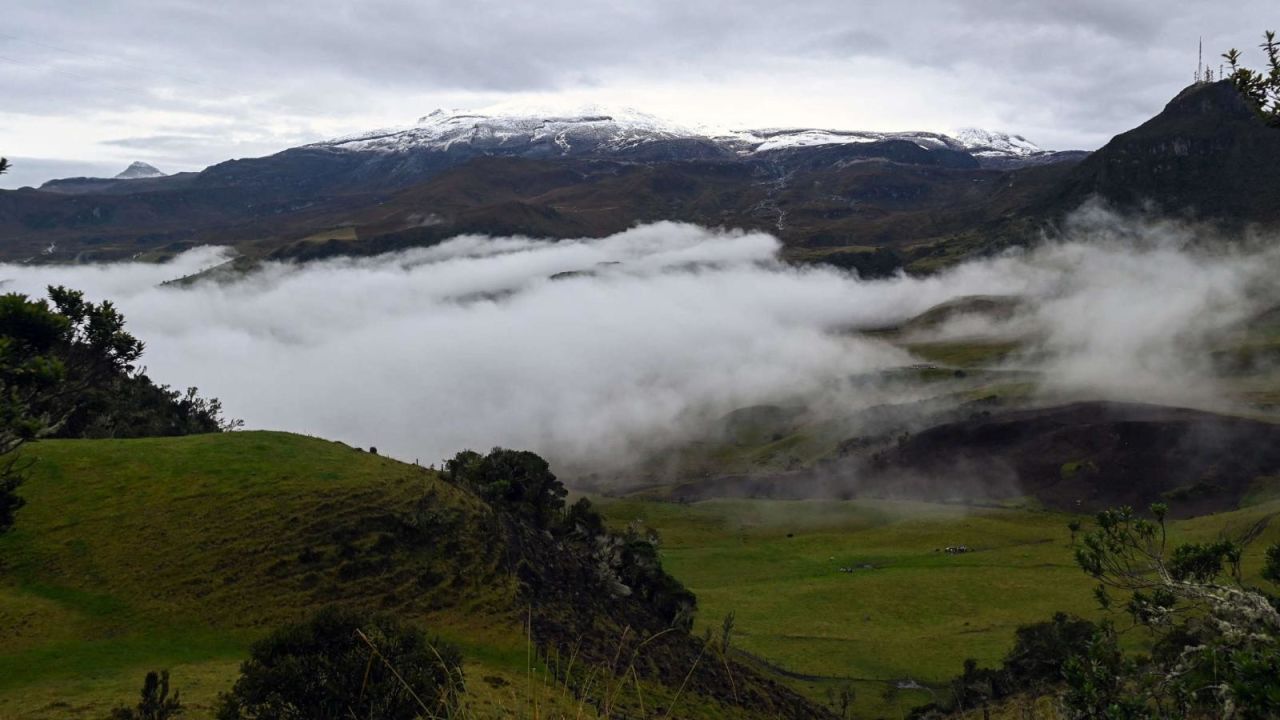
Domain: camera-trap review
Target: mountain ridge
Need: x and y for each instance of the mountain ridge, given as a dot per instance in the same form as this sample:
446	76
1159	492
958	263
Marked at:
609	130
870	202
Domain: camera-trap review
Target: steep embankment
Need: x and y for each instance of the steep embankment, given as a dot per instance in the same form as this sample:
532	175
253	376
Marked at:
177	552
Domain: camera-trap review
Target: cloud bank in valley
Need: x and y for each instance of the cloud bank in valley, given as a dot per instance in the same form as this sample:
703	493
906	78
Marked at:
590	350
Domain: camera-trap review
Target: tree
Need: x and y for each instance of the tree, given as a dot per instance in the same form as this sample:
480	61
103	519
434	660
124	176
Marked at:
1271	571
29	373
4	166
155	704
1036	664
1040	650
1260	89
101	392
516	481
1215	649
1074	526
343	664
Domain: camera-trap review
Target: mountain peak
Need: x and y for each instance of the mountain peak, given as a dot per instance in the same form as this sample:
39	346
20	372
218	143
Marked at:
139	170
511	126
979	141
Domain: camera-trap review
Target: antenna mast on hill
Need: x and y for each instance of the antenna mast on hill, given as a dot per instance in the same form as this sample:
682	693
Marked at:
1200	62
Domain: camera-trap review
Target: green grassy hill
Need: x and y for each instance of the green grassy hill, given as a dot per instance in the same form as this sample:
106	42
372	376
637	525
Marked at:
177	552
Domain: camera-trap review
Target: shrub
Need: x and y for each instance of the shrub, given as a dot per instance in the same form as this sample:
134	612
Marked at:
342	664
155	704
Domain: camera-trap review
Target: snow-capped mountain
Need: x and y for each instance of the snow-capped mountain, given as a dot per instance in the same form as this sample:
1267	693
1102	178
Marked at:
768	140
986	143
139	170
524	130
609	131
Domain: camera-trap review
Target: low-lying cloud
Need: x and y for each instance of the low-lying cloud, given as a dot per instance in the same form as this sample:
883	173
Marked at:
595	350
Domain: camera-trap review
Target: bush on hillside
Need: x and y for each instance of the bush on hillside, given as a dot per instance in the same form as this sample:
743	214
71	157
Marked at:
1036	664
155	704
343	664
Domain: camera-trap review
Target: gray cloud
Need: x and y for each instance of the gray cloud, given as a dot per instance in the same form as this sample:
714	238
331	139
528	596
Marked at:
1064	74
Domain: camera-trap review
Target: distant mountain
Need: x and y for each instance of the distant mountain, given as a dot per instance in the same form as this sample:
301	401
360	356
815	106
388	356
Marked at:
870	201
508	169
117	184
394	158
139	170
873	201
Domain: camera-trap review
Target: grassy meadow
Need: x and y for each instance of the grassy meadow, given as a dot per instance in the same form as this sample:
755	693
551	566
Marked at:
908	613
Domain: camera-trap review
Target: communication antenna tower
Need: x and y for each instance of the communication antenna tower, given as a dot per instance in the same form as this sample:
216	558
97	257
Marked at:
1200	62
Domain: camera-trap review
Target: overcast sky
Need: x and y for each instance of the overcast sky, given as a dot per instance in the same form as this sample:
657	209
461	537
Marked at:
88	87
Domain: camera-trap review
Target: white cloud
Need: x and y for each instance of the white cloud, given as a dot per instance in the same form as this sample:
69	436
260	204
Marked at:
472	344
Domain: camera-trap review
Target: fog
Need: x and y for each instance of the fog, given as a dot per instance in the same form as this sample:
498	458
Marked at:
640	339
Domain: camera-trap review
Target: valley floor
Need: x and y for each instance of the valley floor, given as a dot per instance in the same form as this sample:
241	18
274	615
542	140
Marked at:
829	592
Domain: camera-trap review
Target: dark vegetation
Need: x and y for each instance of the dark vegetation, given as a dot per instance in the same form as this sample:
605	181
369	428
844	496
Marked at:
343	664
1260	89
155	704
72	370
1034	665
599	604
1211	638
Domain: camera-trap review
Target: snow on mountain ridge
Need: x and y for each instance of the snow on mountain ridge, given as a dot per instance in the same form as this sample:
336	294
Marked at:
989	142
765	140
509	124
595	128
